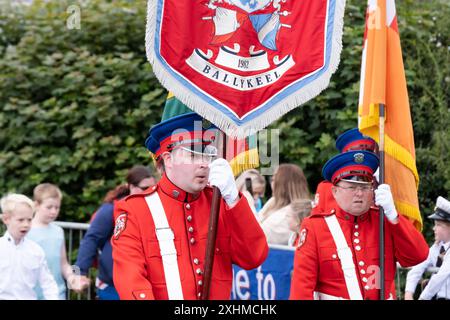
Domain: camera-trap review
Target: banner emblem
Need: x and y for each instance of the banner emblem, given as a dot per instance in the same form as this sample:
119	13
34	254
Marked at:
242	64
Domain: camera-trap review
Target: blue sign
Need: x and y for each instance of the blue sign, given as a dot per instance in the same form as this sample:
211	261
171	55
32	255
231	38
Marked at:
270	281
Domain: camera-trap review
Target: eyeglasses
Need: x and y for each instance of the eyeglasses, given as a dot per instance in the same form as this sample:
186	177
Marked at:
208	155
354	189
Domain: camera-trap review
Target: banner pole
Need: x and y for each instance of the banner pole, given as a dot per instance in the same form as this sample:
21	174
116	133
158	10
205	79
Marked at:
212	229
381	181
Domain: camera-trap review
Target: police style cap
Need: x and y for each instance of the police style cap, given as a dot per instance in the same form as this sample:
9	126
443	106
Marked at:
188	131
442	210
352	140
352	166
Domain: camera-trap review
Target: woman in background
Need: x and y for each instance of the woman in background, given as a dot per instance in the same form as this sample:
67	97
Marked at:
289	185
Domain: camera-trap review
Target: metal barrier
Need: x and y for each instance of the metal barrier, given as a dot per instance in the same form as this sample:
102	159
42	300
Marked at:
74	232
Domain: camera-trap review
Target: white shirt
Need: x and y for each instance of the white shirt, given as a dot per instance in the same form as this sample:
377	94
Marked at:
22	266
276	226
439	283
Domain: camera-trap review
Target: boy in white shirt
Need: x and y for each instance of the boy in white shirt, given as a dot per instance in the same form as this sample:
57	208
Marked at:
22	261
438	288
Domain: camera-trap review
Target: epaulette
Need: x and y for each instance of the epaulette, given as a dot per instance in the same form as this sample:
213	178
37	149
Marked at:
147	192
323	213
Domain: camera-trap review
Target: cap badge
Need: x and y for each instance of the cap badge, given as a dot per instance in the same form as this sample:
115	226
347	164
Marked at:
358	157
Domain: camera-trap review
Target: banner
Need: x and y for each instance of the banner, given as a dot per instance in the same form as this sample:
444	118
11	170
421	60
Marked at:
270	281
242	64
383	82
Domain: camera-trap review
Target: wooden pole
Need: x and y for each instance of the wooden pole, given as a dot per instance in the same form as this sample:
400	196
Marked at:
381	181
212	229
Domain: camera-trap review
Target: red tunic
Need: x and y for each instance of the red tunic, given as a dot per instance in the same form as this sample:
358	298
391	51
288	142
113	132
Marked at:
323	199
317	267
138	270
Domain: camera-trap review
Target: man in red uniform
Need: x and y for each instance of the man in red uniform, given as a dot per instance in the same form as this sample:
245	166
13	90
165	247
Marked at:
350	140
338	255
159	242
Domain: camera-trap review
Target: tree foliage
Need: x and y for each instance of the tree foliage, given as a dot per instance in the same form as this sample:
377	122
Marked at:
76	104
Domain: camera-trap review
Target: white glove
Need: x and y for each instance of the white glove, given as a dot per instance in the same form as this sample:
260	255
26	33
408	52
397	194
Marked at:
384	199
376	175
221	176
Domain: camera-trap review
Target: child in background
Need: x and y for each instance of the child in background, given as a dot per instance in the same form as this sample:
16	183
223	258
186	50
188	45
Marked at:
257	188
299	210
49	236
22	261
438	287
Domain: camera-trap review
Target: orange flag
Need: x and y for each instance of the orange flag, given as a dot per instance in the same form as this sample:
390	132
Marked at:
383	82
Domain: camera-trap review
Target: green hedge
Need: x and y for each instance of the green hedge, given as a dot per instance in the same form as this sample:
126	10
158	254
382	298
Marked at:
76	104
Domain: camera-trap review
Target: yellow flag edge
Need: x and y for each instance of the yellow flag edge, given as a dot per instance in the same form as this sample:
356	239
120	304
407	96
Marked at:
369	126
244	161
411	212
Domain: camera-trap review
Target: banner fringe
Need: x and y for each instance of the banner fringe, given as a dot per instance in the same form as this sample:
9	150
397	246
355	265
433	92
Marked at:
244	161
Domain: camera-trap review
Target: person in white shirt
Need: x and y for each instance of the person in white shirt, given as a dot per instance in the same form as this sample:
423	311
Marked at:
438	287
22	261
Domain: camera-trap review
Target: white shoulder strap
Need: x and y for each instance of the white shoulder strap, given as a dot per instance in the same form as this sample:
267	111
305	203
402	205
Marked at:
168	251
346	256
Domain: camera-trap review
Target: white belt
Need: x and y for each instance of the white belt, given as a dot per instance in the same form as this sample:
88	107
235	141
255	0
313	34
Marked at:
346	257
165	238
324	296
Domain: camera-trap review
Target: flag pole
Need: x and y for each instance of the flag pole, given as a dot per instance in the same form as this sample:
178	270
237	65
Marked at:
212	228
381	181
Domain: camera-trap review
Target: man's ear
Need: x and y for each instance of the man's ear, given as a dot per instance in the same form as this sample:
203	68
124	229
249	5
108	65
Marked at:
167	159
334	190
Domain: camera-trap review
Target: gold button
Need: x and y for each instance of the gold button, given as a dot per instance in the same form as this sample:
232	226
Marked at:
189	218
191	229
192	240
188	206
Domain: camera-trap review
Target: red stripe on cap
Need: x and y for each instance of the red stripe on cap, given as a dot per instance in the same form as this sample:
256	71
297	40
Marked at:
365	171
363	144
184	138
